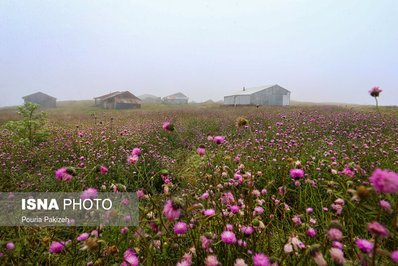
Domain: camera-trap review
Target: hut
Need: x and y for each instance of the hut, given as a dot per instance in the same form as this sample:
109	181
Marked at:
177	98
99	100
44	100
118	100
149	98
264	95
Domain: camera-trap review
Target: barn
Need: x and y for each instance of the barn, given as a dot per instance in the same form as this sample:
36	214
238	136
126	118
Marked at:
149	98
118	100
177	98
44	100
264	95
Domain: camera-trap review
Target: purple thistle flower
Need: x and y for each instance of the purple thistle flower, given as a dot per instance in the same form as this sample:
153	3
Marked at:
384	181
82	237
228	237
259	259
296	173
377	229
56	247
90	193
180	228
10	246
364	245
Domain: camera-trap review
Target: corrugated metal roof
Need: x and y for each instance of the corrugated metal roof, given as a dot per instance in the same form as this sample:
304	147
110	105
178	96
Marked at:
126	94
106	95
177	95
38	94
249	91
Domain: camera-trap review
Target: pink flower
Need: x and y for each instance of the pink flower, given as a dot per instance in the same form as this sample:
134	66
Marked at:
171	211
10	246
228	237
132	159
296	220
309	210
335	234
211	260
377	229
339	201
258	210
168	126
130	257
219	139
209	212
337	244
201	151
259	259
247	230
296	173
337	255
385	205
103	170
311	232
338	208
384	181
348	172
82	237
180	228
205	195
364	245
205	242
234	208
63	175
136	151
229	227
140	194
125	230
90	193
375	91
394	255
56	247
227	198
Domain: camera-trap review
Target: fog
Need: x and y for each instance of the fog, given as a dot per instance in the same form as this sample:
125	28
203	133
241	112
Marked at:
322	51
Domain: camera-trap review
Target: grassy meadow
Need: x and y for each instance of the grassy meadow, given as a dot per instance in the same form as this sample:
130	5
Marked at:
298	185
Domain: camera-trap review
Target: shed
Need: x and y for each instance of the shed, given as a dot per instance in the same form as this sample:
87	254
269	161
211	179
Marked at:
177	98
264	95
118	100
99	100
149	98
44	100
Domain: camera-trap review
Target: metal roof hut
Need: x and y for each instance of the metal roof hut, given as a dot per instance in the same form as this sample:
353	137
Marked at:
264	95
177	98
118	100
149	98
44	100
100	99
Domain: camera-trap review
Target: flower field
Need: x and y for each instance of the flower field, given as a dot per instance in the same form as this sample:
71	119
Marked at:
311	185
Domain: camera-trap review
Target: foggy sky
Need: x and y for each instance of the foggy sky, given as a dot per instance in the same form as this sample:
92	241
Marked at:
322	51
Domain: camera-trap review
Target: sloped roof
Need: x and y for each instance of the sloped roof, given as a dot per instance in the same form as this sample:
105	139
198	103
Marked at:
177	95
250	91
106	95
39	94
122	93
